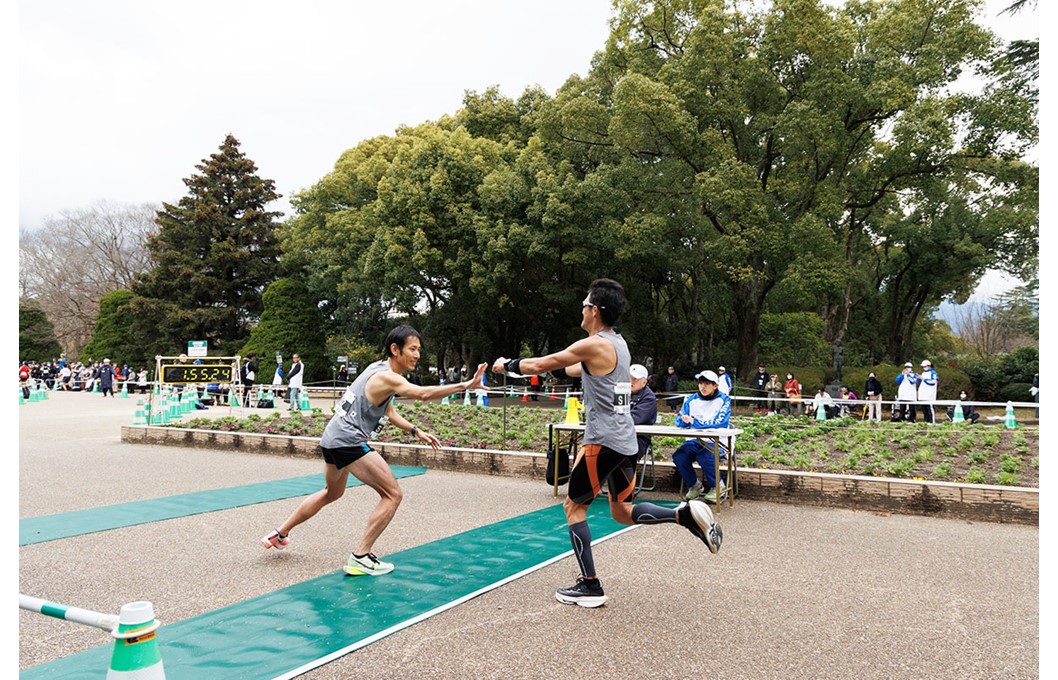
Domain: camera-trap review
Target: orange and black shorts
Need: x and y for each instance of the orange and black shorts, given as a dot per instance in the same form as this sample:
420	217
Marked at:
597	464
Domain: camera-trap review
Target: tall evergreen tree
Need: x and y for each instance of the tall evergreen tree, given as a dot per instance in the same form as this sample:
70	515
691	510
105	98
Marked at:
291	323
36	335
214	253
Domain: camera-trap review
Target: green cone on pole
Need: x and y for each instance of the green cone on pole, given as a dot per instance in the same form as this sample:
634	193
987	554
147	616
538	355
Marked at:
821	411
466	398
303	401
1010	421
136	655
957	415
124	390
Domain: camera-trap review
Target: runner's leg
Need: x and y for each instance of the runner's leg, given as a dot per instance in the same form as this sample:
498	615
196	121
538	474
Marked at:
336	480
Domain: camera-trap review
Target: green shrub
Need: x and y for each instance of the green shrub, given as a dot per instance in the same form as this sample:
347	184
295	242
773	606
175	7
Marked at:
943	471
901	468
977	457
1005	478
976	475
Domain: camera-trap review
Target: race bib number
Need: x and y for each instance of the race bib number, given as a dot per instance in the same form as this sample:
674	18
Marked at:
378	428
622	397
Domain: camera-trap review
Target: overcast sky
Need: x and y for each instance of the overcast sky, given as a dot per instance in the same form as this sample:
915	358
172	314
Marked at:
120	99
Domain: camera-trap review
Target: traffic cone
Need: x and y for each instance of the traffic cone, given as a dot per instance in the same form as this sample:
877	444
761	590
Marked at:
233	393
480	400
821	412
21	397
957	414
139	419
553	397
124	390
95	388
565	402
303	401
525	398
136	655
466	398
43	391
445	400
572	411
34	396
1009	420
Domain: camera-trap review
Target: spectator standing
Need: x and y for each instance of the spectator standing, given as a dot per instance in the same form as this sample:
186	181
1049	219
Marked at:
294	378
277	377
249	375
792	388
873	389
672	386
23	379
343	376
760	386
775	394
724	385
927	391
644	405
906	394
65	375
141	380
106	378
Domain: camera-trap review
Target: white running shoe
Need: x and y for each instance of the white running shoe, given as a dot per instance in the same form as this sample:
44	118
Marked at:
368	565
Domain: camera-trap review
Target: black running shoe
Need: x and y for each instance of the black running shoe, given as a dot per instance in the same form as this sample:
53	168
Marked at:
587	593
698	518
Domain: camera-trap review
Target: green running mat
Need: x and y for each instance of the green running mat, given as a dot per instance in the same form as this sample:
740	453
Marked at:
66	524
298	628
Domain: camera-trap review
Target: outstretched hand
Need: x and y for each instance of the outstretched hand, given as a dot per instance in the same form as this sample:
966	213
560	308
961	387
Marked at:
500	366
475	382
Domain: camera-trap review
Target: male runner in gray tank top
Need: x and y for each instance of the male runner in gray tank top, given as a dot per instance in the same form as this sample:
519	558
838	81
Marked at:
609	452
360	415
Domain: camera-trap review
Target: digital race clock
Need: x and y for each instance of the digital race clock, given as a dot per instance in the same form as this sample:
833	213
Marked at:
197	373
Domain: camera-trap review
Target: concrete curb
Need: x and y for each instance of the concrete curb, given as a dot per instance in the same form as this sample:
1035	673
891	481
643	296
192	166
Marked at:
975	502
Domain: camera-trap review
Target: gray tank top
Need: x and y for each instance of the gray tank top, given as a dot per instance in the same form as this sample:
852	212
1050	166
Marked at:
607	403
356	420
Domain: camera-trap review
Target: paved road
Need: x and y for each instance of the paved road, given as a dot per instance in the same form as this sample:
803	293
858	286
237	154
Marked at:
794	593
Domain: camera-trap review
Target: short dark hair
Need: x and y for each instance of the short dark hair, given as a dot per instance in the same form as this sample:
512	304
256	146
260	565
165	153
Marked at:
399	336
609	297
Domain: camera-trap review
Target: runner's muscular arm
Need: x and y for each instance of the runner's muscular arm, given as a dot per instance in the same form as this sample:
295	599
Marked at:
598	354
385	384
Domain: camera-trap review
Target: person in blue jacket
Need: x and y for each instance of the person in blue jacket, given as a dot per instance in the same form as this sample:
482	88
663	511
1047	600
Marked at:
705	409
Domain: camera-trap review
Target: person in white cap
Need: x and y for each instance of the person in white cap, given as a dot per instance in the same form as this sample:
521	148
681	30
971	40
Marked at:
644	405
724	381
927	391
906	394
706	408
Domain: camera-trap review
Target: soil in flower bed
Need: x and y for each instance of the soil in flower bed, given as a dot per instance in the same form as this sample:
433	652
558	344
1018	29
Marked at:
985	453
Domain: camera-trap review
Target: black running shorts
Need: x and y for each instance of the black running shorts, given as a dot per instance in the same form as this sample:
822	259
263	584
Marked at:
596	464
340	456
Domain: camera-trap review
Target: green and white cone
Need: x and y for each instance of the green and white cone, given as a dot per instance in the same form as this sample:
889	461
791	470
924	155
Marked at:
140	418
303	401
21	398
136	655
1009	420
125	390
821	412
466	398
957	416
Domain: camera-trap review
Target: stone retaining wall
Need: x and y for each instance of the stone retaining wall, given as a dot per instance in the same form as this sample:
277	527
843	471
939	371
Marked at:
975	502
